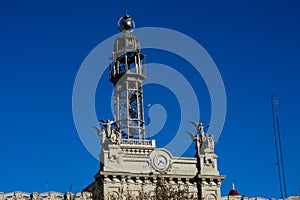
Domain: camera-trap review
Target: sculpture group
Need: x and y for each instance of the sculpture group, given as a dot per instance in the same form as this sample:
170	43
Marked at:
110	131
203	140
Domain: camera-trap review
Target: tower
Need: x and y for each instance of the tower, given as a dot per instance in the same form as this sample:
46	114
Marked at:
132	167
127	73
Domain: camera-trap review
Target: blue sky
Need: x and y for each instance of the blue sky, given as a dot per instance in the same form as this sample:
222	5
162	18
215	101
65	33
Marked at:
255	45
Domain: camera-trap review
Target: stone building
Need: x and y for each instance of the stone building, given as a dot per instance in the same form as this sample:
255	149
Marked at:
131	164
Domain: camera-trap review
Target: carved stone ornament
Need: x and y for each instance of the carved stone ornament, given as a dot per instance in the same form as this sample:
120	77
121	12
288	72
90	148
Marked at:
113	195
211	197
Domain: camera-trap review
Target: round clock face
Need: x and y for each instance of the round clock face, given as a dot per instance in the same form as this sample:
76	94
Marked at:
160	161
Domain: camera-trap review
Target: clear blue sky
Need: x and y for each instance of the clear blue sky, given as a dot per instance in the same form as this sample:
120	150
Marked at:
255	45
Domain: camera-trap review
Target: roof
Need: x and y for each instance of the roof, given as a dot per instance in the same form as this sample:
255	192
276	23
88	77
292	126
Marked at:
233	192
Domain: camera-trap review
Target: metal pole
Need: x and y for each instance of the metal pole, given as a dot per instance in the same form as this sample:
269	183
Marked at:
276	146
280	150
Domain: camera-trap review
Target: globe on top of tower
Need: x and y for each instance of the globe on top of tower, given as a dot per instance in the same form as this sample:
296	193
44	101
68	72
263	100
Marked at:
126	42
126	23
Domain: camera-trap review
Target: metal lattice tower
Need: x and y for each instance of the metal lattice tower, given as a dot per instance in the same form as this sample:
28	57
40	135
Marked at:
127	73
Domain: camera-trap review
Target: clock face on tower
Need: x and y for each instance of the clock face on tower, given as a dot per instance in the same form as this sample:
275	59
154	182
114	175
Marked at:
160	161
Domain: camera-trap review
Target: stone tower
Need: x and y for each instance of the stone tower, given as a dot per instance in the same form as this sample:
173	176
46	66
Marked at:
131	165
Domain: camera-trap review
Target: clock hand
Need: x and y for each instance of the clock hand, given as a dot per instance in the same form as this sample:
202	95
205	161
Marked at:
160	162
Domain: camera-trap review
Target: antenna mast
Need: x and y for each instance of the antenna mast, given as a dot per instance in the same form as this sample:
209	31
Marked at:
278	147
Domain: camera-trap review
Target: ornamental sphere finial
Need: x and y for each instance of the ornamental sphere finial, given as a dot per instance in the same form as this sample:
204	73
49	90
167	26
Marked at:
126	23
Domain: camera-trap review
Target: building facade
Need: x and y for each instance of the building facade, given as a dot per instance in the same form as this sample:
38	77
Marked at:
131	165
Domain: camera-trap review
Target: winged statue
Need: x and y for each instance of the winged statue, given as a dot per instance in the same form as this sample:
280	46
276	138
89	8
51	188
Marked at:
100	132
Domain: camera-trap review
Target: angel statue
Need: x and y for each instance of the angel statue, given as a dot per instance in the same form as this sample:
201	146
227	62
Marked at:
113	134
195	137
107	125
101	132
200	128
